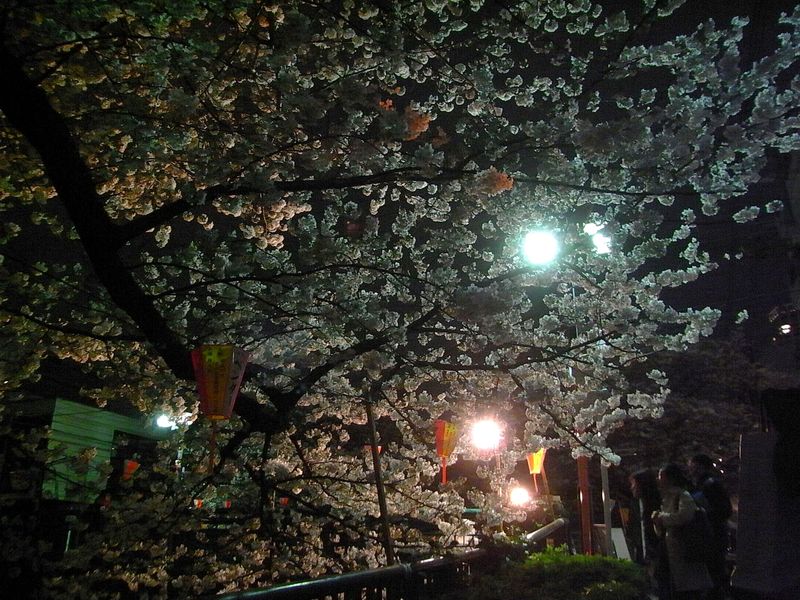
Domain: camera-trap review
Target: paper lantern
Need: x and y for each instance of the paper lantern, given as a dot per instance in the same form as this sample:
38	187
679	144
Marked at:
536	461
219	369
129	467
446	435
536	467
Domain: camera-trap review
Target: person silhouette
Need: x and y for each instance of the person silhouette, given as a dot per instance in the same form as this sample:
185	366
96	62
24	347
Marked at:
645	543
710	494
687	580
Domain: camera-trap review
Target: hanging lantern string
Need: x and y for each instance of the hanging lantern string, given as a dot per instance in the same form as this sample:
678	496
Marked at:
212	450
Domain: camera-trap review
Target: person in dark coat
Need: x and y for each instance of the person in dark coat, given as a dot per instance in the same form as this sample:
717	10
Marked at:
688	580
709	493
644	541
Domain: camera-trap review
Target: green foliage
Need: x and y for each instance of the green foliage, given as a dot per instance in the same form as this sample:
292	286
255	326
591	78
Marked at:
613	590
557	575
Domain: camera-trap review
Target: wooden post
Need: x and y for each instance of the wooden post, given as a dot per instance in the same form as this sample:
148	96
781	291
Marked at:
585	504
607	508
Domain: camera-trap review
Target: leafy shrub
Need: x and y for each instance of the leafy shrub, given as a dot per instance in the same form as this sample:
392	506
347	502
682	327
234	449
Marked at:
557	575
613	590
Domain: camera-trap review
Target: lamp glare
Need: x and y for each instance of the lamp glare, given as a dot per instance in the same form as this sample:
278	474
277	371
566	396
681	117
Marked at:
486	435
602	243
520	496
165	422
540	247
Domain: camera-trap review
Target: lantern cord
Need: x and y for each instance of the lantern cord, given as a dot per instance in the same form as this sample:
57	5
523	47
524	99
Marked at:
213	447
546	488
444	469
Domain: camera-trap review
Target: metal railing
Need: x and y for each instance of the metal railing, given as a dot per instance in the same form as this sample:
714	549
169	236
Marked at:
416	581
543	532
422	580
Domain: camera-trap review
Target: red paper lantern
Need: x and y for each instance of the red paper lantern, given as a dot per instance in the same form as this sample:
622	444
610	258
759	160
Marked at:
129	467
446	435
219	369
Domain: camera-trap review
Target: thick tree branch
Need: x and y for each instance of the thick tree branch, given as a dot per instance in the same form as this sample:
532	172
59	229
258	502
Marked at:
29	110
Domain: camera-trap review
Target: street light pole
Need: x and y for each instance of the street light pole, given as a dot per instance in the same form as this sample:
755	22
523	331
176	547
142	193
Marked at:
541	247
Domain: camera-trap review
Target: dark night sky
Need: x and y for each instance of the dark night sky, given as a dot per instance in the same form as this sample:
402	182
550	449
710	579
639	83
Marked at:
761	279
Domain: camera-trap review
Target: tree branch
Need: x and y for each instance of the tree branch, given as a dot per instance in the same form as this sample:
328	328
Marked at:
29	110
164	214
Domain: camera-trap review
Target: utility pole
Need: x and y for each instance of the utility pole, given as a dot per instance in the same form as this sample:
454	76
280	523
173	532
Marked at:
376	464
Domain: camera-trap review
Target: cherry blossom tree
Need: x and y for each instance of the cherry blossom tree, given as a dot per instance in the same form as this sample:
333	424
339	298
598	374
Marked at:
341	189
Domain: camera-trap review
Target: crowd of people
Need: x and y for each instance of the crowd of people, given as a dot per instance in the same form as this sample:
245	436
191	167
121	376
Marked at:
679	529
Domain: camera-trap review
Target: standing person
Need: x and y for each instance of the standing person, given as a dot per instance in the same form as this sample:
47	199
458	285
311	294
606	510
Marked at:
710	493
645	542
688	580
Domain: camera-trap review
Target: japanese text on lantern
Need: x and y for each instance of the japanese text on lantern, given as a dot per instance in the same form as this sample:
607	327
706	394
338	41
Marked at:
445	438
446	434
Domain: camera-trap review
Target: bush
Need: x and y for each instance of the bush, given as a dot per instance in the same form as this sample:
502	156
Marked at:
557	575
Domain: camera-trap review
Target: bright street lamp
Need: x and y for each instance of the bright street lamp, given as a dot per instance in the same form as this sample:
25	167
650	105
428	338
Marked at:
165	422
486	434
602	243
519	496
540	247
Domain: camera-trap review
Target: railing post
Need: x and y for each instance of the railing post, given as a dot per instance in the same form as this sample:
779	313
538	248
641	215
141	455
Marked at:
410	584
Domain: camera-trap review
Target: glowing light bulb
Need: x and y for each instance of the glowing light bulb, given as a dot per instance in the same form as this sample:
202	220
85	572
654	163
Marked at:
165	422
486	434
540	247
519	496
